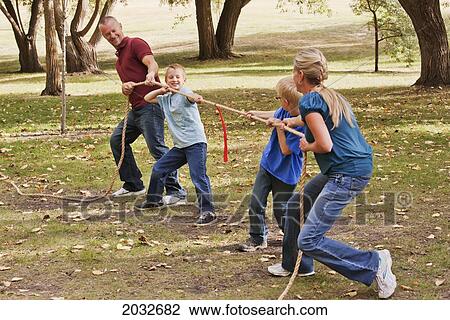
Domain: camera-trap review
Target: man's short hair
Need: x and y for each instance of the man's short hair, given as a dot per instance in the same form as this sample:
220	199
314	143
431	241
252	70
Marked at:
107	19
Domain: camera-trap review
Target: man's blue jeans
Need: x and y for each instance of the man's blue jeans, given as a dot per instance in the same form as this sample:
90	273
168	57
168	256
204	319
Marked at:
195	157
352	263
281	192
148	121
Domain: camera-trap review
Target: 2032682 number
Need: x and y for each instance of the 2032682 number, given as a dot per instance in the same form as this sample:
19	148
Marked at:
151	309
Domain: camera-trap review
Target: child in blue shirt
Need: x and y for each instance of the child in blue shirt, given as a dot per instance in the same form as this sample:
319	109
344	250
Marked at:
280	167
190	145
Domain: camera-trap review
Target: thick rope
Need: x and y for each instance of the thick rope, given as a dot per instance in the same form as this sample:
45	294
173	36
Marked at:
217	105
302	217
85	199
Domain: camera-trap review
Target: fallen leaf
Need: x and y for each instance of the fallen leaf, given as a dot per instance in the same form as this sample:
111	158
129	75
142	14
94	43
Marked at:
3	268
406	288
59	191
351	293
6	283
332	272
105	246
20	241
263	259
57	298
97	272
431	236
15	279
119	233
36	230
435	215
140	231
123	247
78	247
439	282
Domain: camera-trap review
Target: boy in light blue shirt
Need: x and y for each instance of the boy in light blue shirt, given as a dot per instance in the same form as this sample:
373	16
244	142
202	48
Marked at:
280	167
190	144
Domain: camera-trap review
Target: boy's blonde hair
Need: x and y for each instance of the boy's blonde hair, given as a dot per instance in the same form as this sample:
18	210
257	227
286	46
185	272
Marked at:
286	89
314	66
175	66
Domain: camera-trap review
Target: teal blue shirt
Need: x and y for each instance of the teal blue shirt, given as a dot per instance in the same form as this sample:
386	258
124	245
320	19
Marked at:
183	119
351	155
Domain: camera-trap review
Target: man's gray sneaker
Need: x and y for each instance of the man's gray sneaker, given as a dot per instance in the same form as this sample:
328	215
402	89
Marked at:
386	280
122	192
251	246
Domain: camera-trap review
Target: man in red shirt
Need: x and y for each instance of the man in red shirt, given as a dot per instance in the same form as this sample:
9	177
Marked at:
135	63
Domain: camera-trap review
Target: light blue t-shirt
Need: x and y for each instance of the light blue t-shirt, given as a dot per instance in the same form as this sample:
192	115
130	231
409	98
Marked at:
183	119
285	168
351	154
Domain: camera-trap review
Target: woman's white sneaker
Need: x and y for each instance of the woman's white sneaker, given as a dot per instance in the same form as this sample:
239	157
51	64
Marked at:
386	280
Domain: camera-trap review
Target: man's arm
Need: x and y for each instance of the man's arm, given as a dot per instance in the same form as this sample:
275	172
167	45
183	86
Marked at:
152	66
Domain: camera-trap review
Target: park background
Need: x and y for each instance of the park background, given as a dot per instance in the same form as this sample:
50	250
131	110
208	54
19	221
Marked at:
126	257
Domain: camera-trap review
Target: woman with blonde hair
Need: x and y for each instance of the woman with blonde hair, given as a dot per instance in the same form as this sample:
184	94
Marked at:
344	156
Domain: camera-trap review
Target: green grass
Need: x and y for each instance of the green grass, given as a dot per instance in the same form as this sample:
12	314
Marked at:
408	129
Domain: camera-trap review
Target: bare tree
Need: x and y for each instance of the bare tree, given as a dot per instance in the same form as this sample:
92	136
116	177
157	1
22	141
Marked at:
433	41
26	40
81	53
53	81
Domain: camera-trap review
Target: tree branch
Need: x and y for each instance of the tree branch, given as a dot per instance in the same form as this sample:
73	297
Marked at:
392	36
19	17
11	20
86	29
76	18
96	36
35	15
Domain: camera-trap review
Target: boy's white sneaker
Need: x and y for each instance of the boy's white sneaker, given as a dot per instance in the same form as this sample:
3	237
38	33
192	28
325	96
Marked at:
279	271
386	280
171	200
122	192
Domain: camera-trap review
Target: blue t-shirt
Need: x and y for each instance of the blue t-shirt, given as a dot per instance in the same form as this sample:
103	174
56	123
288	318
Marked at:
285	168
351	155
183	119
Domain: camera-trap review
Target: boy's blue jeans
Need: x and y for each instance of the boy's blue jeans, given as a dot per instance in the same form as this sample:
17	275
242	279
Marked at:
281	192
354	264
195	157
148	121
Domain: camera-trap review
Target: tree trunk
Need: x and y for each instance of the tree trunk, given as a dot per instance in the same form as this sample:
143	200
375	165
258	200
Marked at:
377	41
28	56
226	27
26	42
81	56
53	82
208	48
433	41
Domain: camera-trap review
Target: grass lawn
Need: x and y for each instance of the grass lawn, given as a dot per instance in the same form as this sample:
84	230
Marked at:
116	254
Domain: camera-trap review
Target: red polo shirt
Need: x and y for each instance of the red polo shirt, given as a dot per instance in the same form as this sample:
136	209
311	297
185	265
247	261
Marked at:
129	66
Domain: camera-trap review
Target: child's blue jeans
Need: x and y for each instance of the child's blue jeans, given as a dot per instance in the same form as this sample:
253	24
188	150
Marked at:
195	156
281	192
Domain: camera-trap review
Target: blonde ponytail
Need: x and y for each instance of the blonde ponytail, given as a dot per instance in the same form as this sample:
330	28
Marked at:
314	66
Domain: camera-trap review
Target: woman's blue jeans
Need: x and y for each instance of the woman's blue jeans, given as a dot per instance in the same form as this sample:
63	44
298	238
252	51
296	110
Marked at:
352	263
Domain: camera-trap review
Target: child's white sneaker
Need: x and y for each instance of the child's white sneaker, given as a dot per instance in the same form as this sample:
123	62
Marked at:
279	271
